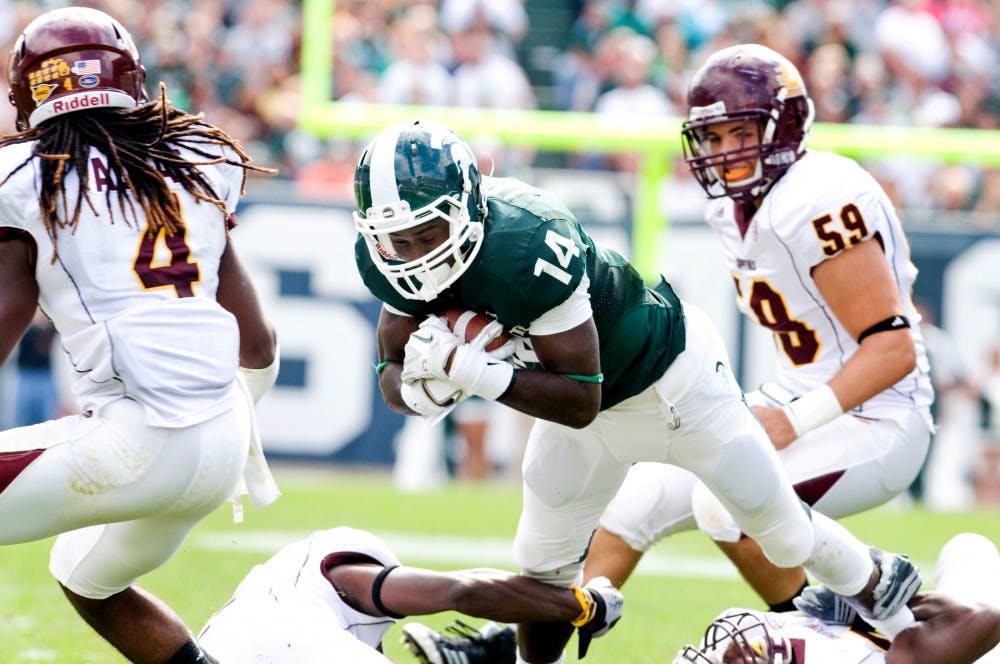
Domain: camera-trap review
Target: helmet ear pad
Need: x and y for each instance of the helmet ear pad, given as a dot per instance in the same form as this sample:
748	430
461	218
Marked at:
73	59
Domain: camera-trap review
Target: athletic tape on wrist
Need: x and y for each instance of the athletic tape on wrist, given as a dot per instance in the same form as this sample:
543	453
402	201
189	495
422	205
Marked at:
587	605
813	409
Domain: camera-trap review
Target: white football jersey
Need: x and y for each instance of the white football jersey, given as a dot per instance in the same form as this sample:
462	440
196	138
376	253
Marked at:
136	314
822	205
293	605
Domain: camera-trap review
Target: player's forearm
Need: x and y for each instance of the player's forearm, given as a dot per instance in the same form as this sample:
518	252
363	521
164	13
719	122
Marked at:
481	593
389	383
510	598
554	397
18	294
882	361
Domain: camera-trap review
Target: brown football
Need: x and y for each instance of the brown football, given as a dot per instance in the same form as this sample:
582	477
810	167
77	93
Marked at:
467	324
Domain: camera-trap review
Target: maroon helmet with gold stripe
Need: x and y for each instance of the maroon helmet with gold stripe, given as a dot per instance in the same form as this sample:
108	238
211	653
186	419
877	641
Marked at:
73	59
749	83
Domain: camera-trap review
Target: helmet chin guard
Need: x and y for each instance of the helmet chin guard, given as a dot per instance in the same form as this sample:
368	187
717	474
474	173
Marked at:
414	174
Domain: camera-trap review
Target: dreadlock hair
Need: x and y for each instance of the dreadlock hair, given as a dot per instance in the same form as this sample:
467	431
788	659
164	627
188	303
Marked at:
141	146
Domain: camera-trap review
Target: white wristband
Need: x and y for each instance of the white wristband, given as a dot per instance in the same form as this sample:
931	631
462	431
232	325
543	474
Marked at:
896	623
813	409
259	381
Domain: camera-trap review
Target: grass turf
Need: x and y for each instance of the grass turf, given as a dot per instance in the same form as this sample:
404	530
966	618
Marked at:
662	610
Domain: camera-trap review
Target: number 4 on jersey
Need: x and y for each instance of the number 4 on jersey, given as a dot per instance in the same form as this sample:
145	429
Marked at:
179	272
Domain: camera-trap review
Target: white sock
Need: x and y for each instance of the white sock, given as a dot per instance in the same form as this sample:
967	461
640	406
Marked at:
839	560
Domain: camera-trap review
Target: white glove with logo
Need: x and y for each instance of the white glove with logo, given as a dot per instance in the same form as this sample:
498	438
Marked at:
473	370
427	351
477	372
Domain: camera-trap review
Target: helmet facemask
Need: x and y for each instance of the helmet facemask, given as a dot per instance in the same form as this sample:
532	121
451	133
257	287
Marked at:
739	638
435	162
426	277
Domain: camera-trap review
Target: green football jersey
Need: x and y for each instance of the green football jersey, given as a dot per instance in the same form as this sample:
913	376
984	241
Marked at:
534	255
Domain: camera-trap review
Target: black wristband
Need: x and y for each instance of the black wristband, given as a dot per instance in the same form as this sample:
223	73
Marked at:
377	593
896	322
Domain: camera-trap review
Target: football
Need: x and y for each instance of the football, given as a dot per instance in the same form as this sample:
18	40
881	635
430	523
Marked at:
467	324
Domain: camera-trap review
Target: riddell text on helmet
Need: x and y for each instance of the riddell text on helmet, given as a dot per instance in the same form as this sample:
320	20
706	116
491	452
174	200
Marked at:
79	102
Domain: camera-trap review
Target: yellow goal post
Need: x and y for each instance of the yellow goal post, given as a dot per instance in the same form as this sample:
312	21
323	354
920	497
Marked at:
657	140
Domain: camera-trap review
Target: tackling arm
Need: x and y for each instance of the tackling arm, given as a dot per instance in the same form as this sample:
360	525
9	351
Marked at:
18	291
946	632
482	593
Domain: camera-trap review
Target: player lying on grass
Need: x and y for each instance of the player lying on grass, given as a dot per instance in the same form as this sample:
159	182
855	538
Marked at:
958	623
333	595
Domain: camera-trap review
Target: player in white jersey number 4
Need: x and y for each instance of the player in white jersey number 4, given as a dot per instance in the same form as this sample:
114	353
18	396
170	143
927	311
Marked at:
820	259
114	218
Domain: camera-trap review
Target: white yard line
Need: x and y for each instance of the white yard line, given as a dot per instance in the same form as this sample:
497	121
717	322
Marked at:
465	552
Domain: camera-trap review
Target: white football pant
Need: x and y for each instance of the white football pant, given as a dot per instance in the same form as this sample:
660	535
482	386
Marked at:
123	494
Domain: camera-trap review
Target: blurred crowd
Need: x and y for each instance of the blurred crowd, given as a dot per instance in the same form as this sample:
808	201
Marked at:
923	63
927	63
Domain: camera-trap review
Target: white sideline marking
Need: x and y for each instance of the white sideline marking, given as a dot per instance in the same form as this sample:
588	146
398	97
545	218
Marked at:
465	552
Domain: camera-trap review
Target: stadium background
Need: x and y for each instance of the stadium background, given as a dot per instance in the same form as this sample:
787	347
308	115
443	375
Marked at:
241	63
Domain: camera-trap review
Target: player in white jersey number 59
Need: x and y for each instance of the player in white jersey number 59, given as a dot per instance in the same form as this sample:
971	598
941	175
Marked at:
115	213
819	258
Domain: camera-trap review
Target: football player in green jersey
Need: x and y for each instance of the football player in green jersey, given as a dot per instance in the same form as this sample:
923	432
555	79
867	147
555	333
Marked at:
615	372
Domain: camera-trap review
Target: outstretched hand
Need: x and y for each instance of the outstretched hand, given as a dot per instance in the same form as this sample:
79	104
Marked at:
608	604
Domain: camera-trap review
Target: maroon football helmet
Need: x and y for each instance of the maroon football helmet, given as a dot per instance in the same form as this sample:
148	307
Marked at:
753	84
739	637
73	59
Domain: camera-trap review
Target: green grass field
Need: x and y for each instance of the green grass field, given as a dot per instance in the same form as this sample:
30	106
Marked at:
680	586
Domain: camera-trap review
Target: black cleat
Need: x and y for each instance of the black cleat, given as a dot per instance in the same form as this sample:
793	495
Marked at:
491	644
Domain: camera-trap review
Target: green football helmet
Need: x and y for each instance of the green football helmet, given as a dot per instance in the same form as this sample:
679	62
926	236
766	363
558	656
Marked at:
409	175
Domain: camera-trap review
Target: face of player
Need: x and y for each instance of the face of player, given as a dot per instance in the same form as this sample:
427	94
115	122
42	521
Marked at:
413	243
733	137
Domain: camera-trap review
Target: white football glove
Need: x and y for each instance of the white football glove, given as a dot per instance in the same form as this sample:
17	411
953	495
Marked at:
608	602
475	371
427	350
420	402
821	602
